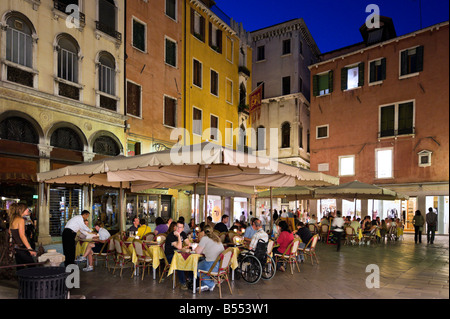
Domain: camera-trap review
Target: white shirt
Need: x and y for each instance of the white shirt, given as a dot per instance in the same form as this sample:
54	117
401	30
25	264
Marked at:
76	224
338	222
260	234
103	234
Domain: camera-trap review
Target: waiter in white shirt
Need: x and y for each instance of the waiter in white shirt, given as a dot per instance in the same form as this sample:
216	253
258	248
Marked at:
75	224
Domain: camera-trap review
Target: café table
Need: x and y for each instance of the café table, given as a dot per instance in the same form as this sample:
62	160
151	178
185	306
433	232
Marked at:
157	253
185	261
81	246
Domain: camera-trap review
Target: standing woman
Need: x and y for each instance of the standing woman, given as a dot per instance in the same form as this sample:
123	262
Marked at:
418	222
23	252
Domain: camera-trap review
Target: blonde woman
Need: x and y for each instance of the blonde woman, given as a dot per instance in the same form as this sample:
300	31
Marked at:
23	252
211	246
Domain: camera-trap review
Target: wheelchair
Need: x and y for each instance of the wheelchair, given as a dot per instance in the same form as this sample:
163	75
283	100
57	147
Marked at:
257	264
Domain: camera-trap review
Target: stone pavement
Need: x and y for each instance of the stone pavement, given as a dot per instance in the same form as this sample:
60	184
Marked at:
406	271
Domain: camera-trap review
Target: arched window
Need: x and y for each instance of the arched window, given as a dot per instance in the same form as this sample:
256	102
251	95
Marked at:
67	138
18	129
261	138
107	81
242	137
106	145
67	67
285	135
19	49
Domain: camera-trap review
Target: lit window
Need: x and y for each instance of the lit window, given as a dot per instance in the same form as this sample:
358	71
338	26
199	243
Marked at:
384	163
347	165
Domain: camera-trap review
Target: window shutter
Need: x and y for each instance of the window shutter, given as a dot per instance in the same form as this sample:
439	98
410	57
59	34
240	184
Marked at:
330	81
315	85
210	35
192	20
419	57
361	74
344	79
202	28
383	68
372	68
404	62
219	40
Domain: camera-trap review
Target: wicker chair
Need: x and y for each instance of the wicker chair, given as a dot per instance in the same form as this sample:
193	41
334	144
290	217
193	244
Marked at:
221	275
310	249
350	236
143	255
123	256
290	255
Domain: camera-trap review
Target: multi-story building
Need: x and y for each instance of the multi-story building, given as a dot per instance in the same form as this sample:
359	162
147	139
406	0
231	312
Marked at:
379	114
61	84
281	55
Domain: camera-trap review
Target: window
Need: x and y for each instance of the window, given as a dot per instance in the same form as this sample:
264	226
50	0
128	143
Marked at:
397	119
215	38
197	121
424	158
261	138
322	131
230	45
285	135
384	163
107	81
214	83
229	133
197	74
229	91
133	148
197	25
300	85
214	128
300	136
107	15
19	50
352	77
286	85
323	83
170	111
260	53
377	70
286	47
68	59
133	99
171	9
171	53
139	35
66	138
347	165
411	61
106	145
18	129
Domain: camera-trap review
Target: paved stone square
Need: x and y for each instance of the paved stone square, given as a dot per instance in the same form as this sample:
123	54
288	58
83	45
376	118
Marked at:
406	271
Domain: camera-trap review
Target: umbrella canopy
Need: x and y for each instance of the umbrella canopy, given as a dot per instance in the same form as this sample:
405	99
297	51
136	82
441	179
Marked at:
357	190
291	193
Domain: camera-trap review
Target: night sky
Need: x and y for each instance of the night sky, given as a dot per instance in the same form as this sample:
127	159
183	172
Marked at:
335	23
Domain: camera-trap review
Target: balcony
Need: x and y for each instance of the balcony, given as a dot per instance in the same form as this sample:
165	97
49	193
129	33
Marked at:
62	6
108	30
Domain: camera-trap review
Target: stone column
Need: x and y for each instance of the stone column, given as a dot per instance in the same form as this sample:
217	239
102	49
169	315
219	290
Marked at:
44	196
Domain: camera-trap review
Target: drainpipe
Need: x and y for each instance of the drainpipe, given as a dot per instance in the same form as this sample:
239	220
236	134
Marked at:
184	70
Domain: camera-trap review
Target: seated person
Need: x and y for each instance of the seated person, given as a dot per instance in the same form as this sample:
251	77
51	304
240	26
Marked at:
96	246
174	241
161	226
187	229
143	228
222	227
259	234
285	237
211	246
134	228
313	219
250	231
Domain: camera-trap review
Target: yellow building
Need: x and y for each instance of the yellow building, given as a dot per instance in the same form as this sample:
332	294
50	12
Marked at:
61	88
213	73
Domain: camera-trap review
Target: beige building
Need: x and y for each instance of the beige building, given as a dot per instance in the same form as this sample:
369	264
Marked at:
61	82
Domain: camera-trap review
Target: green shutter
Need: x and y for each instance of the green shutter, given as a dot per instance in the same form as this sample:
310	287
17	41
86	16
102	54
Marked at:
419	57
405	118
330	81
372	69
344	75
404	62
315	84
361	74
387	122
383	69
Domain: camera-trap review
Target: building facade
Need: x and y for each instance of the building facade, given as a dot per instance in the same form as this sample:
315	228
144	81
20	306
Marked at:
61	84
379	114
281	55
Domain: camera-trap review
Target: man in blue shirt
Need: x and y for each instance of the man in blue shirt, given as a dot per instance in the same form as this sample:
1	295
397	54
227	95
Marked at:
250	231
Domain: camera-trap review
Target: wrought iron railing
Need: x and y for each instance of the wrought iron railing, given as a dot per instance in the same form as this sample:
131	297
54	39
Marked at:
108	30
62	6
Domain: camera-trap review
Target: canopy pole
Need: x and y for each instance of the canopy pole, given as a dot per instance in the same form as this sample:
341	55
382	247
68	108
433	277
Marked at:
195	203
271	212
206	193
122	220
355	207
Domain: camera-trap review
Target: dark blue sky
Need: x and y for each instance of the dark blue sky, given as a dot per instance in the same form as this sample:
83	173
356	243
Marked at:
335	23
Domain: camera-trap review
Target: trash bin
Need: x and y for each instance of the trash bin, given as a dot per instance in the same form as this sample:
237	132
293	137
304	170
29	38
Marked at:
43	283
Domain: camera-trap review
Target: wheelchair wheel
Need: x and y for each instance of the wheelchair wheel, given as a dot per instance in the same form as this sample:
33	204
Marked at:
269	269
250	269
